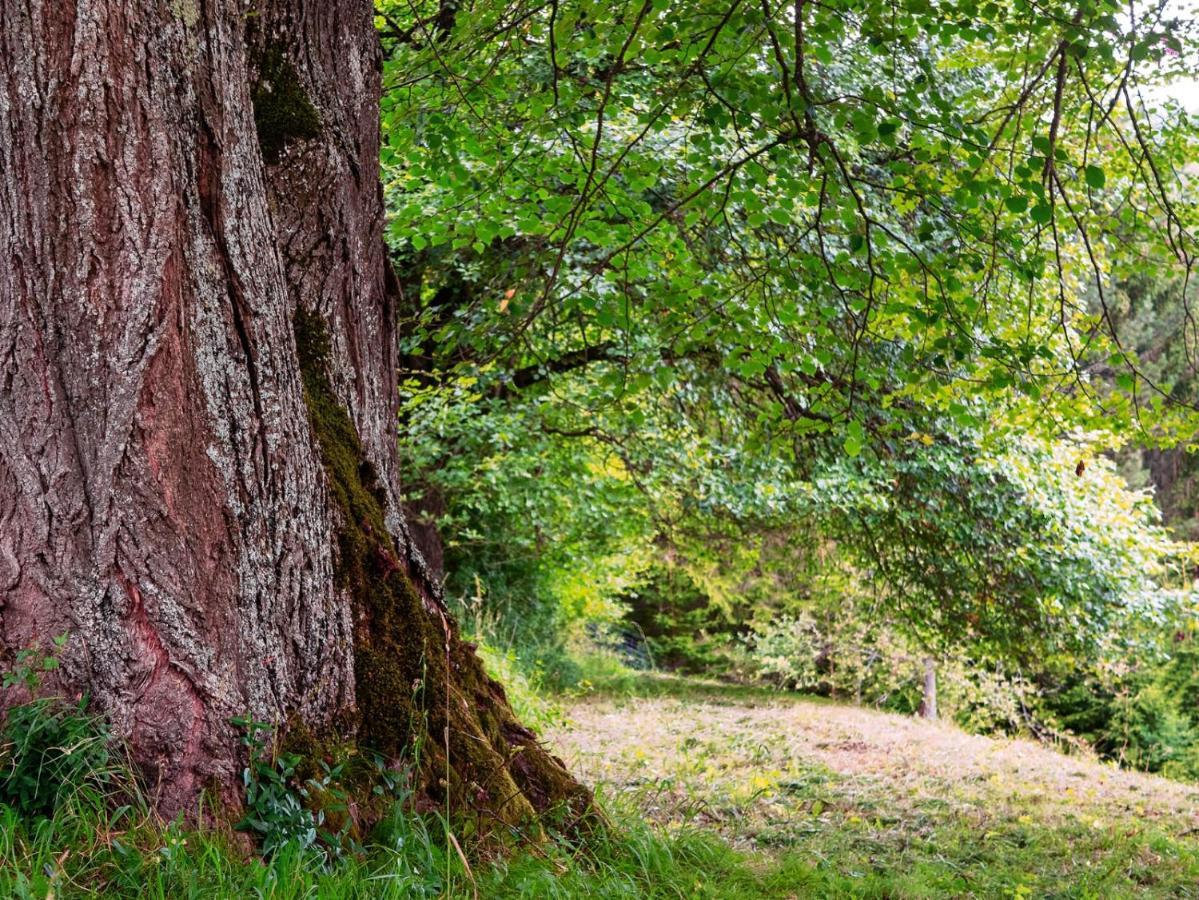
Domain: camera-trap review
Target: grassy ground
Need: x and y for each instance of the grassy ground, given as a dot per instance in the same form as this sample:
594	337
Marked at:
715	792
852	802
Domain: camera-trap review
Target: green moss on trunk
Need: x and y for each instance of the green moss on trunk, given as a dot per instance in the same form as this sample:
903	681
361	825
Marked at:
283	112
422	692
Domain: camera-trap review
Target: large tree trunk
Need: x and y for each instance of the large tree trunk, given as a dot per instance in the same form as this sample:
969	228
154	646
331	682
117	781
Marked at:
198	478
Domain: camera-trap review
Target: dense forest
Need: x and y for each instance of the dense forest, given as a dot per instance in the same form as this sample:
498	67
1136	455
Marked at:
569	449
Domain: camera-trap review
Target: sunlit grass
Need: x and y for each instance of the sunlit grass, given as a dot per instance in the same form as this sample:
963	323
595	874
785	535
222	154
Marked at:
714	792
849	802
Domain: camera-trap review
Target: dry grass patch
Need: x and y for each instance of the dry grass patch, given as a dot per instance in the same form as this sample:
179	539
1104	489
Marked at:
869	794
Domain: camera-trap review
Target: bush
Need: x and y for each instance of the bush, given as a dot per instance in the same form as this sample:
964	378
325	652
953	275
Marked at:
841	656
848	654
1141	717
286	810
51	750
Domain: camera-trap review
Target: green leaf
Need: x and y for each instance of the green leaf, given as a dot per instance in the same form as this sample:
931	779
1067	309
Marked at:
1041	213
855	438
1095	177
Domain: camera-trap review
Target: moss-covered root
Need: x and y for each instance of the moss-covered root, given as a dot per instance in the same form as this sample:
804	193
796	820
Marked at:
422	692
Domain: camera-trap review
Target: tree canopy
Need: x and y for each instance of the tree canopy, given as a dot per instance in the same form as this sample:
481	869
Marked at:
856	264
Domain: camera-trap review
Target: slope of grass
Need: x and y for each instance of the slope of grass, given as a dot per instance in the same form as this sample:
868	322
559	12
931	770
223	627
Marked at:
877	805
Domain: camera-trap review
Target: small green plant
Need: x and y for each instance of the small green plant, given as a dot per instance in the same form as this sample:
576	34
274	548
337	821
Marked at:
286	810
51	749
30	663
523	685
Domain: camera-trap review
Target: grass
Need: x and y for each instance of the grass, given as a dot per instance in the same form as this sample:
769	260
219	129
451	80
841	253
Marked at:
90	851
848	802
716	792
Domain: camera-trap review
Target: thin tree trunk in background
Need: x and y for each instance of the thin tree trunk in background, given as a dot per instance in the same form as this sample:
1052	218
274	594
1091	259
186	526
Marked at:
208	509
928	705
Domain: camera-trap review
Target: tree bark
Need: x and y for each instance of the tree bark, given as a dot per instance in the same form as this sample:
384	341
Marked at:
204	503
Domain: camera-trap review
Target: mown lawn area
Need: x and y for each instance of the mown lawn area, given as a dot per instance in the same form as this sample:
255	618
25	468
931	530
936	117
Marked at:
854	802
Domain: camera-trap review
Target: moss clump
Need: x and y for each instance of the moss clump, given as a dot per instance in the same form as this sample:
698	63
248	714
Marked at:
299	740
283	113
421	690
393	633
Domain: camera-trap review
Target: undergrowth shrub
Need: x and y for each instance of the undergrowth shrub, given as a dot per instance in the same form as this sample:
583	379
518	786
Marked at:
849	656
284	809
51	750
1142	717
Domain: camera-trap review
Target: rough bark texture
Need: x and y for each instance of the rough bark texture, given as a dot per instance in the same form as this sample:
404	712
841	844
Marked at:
208	509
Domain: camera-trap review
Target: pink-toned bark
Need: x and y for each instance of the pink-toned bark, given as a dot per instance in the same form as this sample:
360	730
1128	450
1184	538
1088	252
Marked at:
162	497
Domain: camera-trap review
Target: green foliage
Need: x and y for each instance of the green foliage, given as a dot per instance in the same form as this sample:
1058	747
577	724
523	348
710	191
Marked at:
601	669
707	307
817	323
518	509
685	630
1139	712
1153	734
851	213
1014	549
285	810
51	750
1004	550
